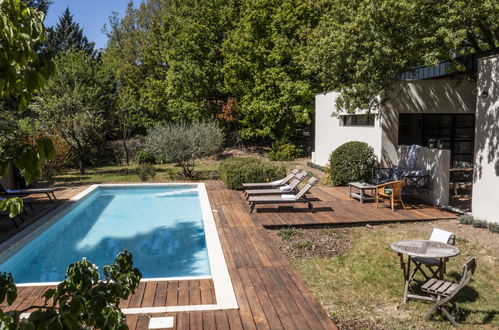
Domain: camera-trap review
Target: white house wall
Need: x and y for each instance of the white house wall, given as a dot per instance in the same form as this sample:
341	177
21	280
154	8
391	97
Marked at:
330	134
422	96
485	204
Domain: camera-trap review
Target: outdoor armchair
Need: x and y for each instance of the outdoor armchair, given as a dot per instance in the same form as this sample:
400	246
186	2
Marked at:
391	190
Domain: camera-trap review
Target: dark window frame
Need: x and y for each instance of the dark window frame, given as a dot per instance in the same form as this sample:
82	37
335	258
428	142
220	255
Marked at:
355	120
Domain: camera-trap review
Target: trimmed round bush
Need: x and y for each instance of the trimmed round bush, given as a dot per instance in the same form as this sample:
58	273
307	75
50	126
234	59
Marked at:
352	161
237	170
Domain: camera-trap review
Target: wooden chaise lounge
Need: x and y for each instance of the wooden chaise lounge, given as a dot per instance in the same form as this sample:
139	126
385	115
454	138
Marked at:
286	189
300	197
273	184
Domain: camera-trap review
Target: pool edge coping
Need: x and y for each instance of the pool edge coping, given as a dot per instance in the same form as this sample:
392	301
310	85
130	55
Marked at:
222	282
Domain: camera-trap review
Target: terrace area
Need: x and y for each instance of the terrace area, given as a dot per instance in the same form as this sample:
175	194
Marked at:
269	291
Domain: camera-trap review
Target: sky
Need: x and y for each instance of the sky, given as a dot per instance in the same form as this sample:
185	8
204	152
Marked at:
90	14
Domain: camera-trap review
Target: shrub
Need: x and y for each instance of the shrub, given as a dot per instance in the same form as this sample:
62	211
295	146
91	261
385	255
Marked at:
317	167
236	171
494	227
63	159
146	172
465	219
352	161
145	156
480	224
284	151
184	143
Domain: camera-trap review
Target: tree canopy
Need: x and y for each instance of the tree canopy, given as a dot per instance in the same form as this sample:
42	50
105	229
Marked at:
262	67
361	47
76	102
169	52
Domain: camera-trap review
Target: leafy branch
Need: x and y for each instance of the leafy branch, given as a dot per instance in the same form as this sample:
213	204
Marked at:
82	300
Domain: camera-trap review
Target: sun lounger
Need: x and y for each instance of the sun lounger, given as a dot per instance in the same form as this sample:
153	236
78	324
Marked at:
273	184
285	198
292	187
24	192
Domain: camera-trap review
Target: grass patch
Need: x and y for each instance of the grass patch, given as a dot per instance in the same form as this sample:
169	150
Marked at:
204	170
287	234
364	285
303	245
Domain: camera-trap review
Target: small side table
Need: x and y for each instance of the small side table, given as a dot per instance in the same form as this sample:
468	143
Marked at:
362	188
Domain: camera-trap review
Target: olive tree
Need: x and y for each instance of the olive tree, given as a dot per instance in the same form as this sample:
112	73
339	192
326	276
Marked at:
183	143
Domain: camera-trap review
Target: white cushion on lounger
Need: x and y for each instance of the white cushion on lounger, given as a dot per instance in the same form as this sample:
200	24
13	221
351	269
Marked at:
285	188
276	183
287	196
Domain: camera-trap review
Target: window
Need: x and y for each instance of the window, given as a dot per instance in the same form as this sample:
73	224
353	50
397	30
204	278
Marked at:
447	131
357	120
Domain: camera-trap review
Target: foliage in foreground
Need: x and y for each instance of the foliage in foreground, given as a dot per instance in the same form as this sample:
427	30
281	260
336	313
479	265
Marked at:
183	143
23	73
352	161
13	205
82	300
236	171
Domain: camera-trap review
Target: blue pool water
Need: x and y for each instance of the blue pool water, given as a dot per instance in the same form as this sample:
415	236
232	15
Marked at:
161	226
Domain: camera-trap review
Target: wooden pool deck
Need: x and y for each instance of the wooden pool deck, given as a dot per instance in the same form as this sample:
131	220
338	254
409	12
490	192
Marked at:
269	292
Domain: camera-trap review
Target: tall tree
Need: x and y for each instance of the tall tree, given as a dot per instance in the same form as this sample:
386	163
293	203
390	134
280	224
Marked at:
170	52
76	101
263	71
67	34
361	47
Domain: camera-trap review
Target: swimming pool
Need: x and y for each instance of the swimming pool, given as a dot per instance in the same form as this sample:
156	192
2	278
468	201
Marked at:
163	226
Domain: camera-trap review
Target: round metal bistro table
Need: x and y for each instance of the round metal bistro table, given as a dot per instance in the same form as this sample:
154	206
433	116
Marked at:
422	249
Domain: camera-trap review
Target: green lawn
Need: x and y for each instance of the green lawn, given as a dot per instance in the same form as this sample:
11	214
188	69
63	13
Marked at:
205	169
364	285
164	172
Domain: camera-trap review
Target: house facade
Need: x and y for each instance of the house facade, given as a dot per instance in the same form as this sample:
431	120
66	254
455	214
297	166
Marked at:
455	120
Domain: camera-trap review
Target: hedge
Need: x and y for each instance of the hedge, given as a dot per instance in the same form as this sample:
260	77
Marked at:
237	170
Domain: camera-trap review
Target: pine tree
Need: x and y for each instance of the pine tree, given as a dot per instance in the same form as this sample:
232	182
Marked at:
66	35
